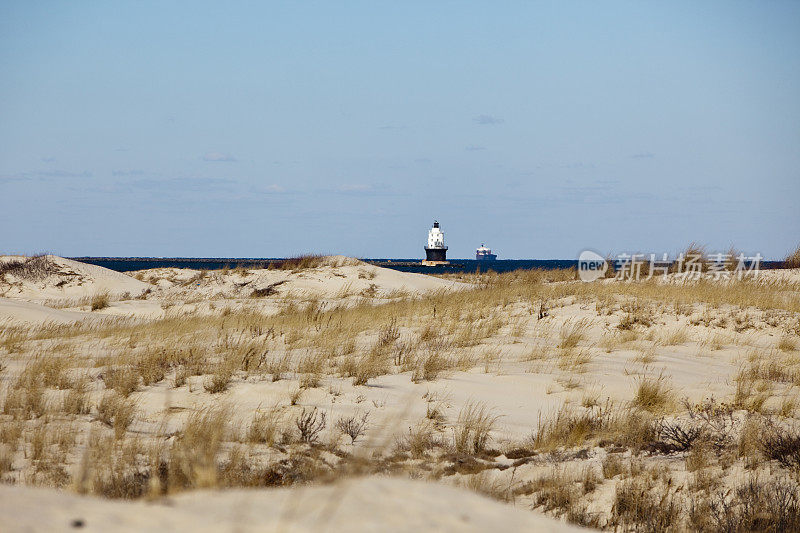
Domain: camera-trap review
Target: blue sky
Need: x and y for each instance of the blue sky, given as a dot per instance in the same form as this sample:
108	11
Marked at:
272	129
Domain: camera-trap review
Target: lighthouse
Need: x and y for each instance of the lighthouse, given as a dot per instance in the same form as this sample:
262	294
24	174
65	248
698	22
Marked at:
435	251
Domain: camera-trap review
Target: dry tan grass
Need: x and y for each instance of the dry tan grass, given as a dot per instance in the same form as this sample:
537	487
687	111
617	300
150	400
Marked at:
653	394
106	366
99	301
117	412
787	343
571	427
792	260
573	333
473	428
193	456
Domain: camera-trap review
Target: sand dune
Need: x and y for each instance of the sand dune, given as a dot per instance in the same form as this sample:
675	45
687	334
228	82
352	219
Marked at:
338	278
560	387
59	278
19	311
60	290
367	504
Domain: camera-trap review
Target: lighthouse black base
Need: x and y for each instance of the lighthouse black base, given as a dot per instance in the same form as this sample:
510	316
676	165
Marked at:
436	255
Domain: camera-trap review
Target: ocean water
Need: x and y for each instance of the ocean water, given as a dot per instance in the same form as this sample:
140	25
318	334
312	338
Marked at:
127	264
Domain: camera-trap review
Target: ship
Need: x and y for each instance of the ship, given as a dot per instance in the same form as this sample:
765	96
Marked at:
435	251
484	254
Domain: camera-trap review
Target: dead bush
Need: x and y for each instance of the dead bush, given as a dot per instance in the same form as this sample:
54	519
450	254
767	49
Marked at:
782	445
310	423
639	505
679	436
353	426
771	506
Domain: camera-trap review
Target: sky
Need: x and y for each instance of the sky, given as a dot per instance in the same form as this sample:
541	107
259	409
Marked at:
271	129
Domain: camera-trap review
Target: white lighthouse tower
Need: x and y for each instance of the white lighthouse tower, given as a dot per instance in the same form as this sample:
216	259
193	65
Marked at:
435	251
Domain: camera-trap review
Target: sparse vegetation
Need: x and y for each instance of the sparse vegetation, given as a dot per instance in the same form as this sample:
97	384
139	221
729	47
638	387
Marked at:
585	352
100	301
653	394
310	423
353	426
792	260
473	428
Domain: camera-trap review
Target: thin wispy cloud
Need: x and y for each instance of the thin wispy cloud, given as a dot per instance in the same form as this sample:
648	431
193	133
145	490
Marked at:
47	174
65	174
487	120
643	155
354	187
124	173
181	184
218	157
48	159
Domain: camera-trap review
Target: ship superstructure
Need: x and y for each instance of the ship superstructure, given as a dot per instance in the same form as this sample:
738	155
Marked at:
435	251
484	254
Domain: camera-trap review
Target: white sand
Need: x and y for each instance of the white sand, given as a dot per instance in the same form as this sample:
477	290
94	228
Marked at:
367	504
16	311
520	392
72	286
70	280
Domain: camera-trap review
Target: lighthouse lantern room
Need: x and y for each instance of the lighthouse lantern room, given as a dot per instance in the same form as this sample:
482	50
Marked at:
435	251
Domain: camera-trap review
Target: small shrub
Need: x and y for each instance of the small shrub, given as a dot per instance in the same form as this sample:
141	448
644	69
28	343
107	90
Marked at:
555	492
679	436
310	423
388	333
295	395
27	401
353	426
782	445
371	365
269	290
100	301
